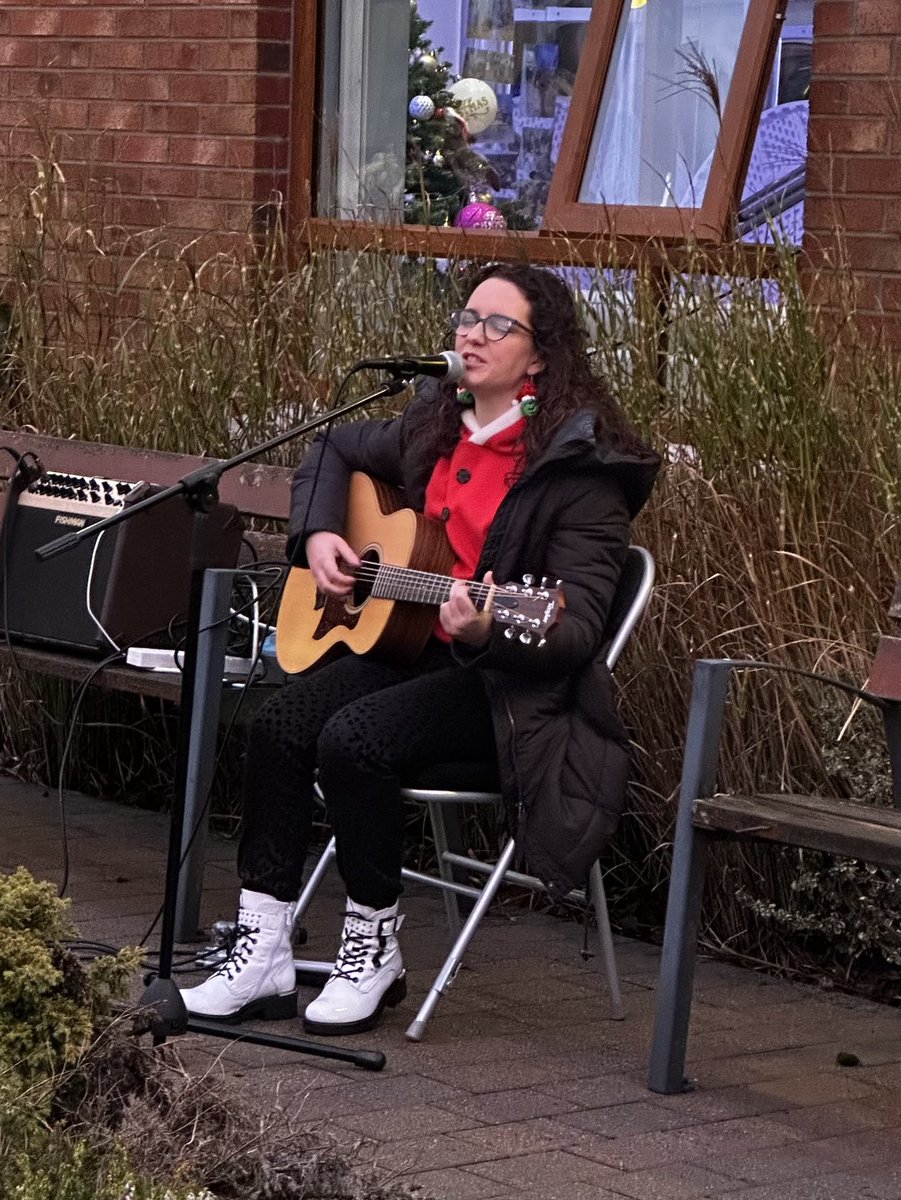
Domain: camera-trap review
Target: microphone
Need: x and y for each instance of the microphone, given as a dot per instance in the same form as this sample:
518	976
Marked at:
446	365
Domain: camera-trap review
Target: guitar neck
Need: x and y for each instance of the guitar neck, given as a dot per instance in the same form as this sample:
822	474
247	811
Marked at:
391	582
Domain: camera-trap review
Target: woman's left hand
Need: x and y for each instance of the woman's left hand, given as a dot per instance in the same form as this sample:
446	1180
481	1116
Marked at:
461	619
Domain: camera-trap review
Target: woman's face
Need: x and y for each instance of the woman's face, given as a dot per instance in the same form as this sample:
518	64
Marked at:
497	368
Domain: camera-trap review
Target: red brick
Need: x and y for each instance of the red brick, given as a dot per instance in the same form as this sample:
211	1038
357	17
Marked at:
134	85
68	114
203	22
87	85
892	210
870	253
169	181
874	175
200	88
868	97
274	89
833	19
858	56
200	151
273	122
274	26
143	23
172	118
37	22
116	56
242	23
20	52
88	22
228	56
862	215
225	185
140	148
853	135
878	16
112	115
891	295
228	119
829	96
171	56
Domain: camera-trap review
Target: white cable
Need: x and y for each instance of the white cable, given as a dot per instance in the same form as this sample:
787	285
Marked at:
87	595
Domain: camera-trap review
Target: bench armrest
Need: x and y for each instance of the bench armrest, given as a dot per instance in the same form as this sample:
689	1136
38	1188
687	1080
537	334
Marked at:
709	693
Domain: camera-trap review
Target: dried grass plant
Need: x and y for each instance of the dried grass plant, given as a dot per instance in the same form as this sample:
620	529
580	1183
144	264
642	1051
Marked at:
774	528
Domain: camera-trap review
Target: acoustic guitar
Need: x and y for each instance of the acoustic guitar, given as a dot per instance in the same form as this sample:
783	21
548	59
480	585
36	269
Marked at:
392	609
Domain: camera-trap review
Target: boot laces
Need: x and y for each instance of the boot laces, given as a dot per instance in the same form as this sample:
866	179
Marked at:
239	948
357	949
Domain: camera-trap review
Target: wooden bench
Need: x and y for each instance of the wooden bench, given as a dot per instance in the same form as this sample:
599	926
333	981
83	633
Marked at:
261	494
840	827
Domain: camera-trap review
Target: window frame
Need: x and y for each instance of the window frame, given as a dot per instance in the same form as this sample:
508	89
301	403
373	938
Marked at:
565	213
572	230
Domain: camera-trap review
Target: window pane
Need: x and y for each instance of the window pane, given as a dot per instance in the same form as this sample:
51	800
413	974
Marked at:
772	204
663	102
515	65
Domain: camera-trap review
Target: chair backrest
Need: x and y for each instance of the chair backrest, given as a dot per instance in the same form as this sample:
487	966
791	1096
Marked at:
631	599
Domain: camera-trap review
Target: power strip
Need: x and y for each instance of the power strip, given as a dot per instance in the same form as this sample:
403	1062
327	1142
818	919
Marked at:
165	660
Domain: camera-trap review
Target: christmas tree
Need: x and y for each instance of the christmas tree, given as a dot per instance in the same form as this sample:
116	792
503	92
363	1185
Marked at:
433	193
444	173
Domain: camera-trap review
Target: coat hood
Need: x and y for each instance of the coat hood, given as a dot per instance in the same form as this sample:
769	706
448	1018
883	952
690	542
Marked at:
635	466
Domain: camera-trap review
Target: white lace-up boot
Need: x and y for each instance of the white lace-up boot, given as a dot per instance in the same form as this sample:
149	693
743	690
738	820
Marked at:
369	974
257	977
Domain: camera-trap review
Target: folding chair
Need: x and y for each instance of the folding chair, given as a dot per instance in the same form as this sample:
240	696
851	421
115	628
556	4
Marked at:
469	783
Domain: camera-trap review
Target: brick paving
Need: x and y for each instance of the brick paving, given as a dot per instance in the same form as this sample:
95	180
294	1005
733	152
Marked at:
523	1087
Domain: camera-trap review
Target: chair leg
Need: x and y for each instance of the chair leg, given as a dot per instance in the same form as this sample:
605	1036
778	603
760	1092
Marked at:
445	870
316	876
446	975
311	972
605	937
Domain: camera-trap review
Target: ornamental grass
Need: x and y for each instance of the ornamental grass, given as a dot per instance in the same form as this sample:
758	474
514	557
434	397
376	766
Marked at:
774	526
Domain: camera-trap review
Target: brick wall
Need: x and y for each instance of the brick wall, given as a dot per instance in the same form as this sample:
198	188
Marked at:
854	177
182	106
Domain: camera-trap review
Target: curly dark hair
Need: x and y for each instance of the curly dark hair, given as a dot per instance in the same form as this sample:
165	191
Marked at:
565	386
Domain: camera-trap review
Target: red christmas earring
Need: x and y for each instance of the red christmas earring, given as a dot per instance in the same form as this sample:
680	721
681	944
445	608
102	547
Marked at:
528	397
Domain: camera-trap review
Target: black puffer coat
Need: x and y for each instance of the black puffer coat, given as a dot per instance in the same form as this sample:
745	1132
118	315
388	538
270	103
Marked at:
562	750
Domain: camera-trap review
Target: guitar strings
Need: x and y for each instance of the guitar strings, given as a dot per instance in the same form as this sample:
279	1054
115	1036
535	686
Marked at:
369	571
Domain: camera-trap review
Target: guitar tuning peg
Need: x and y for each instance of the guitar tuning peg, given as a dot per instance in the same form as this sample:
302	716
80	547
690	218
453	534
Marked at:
526	637
559	583
543	642
545	582
528	580
509	633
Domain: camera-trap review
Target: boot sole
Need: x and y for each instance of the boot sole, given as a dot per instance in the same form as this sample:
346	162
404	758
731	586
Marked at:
394	995
267	1008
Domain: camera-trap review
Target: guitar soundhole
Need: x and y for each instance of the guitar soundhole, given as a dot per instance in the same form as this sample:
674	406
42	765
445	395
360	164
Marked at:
365	578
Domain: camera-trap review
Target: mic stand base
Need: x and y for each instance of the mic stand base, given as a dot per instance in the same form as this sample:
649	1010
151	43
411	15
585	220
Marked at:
170	1018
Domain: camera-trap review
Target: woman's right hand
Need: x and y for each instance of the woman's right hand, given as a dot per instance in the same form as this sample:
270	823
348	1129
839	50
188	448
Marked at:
327	556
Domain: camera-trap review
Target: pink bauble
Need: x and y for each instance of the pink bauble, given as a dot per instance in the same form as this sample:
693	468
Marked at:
480	216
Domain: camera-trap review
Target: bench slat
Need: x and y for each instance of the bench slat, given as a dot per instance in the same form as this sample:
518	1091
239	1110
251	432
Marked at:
812	822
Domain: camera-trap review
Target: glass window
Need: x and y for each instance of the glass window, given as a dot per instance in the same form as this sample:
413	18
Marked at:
663	102
772	204
399	82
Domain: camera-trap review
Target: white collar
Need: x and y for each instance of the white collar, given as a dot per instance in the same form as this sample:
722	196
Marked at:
481	433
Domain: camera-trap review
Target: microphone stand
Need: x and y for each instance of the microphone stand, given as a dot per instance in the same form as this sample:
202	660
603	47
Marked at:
200	491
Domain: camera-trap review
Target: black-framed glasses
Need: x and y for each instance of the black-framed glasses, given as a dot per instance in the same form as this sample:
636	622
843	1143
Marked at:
496	325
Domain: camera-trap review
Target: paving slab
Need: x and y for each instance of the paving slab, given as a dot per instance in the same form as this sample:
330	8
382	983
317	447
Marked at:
523	1086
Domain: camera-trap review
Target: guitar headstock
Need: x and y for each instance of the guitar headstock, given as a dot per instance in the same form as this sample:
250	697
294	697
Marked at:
527	610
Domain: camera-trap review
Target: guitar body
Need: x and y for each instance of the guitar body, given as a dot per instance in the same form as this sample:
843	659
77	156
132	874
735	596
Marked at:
312	628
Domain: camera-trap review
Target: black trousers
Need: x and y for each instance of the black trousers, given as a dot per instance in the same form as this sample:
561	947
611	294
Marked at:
365	726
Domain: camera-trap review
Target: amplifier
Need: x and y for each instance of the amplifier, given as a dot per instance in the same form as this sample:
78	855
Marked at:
124	586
